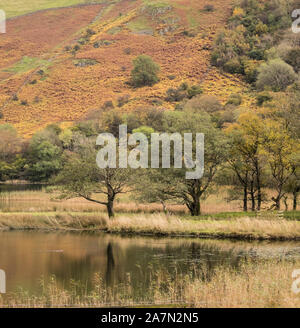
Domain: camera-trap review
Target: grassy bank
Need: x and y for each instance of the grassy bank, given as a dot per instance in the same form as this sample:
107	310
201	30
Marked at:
268	228
263	284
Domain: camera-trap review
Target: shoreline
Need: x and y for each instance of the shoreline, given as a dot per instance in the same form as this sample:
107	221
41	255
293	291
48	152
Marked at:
216	236
155	225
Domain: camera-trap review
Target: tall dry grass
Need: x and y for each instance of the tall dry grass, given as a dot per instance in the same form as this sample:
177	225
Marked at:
40	201
253	284
156	224
251	228
44	201
53	221
265	284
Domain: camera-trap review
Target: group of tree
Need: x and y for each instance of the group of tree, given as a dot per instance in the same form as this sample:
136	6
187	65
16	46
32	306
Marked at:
248	150
257	150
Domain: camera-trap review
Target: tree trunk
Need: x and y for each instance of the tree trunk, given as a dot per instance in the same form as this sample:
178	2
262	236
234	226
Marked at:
110	209
277	203
194	207
252	202
259	195
259	198
285	199
245	200
164	207
295	195
277	200
252	194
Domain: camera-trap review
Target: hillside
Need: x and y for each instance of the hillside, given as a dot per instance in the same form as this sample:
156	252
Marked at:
21	7
59	64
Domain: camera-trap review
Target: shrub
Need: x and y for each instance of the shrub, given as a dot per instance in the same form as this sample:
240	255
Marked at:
36	99
146	130
132	121
263	97
175	95
180	106
90	32
127	51
123	100
261	28
234	99
76	47
110	122
293	58
154	118
188	33
194	90
229	47
108	105
171	77
209	104
233	66
156	101
182	92
275	74
257	54
228	116
86	128
144	72
184	86
208	8
250	70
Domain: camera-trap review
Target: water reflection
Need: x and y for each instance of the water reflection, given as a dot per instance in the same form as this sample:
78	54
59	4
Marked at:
26	256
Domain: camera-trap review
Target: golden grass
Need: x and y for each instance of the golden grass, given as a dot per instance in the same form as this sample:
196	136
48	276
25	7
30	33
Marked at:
245	228
53	221
253	284
40	201
157	224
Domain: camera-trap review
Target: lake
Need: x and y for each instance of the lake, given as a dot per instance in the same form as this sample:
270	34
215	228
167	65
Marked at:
27	256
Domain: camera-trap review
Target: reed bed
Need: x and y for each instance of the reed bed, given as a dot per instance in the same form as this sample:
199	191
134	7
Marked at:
245	228
262	228
252	284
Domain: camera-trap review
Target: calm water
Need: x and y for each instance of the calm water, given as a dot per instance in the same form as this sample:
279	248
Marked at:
28	256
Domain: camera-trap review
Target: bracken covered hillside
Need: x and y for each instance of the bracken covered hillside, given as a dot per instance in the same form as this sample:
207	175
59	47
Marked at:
59	65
